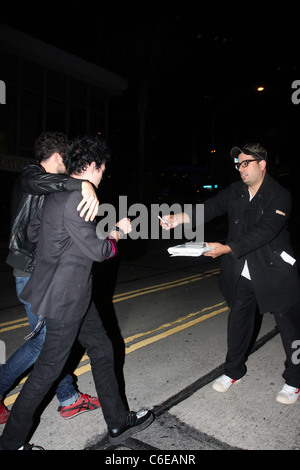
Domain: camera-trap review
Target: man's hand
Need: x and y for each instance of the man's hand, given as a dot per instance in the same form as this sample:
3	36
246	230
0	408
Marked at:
173	220
218	249
124	225
89	204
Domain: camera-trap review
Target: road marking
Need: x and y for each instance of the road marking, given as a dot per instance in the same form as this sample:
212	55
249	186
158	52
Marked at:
163	286
128	295
166	325
87	367
14	325
172	331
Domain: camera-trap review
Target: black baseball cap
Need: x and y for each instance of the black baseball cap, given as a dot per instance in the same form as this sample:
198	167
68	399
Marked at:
256	150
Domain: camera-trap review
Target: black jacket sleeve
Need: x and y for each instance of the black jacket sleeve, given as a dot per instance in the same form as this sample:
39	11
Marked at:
272	221
83	233
34	180
213	207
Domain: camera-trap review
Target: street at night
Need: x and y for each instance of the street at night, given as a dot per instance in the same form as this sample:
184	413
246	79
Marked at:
168	110
171	318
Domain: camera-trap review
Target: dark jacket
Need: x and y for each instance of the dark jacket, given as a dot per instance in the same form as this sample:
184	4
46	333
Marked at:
60	286
257	232
29	193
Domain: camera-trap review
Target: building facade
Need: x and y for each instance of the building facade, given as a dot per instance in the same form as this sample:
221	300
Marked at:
46	88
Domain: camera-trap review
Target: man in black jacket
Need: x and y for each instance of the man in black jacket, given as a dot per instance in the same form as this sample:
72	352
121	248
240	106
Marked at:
61	288
33	185
257	264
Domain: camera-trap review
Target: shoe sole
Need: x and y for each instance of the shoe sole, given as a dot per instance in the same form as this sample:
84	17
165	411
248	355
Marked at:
131	431
80	412
285	400
220	388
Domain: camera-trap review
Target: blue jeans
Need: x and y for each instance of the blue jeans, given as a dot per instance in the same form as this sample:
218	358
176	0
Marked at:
28	353
58	344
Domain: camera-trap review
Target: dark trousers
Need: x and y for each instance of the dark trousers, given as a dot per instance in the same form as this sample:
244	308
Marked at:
241	328
59	340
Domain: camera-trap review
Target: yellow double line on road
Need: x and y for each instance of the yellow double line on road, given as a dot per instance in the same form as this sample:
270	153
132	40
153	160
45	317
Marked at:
182	323
164	286
22	322
165	330
14	324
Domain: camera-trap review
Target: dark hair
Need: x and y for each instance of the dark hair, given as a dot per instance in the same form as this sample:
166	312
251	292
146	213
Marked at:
50	142
83	151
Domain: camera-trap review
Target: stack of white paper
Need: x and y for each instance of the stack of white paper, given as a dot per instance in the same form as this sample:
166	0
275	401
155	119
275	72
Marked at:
189	249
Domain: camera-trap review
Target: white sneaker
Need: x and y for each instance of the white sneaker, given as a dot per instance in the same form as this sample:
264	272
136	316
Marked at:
223	383
288	395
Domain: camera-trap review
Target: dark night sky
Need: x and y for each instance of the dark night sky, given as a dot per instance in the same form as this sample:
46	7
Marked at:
202	64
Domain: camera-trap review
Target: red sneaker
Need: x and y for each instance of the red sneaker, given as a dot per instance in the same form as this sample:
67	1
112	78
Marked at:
83	404
4	413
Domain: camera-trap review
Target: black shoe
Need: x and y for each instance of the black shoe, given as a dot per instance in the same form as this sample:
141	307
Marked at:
134	423
31	447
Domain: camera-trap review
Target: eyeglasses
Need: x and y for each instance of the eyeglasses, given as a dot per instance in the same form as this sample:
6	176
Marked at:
245	163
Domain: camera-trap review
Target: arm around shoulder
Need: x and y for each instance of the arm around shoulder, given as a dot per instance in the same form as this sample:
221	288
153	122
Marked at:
36	181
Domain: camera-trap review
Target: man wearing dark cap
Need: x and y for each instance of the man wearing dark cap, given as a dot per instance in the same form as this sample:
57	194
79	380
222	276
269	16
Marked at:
257	265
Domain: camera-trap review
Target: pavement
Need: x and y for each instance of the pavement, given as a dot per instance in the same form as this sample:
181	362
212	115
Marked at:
195	417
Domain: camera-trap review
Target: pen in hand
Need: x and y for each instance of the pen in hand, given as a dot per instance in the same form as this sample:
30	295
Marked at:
164	221
160	218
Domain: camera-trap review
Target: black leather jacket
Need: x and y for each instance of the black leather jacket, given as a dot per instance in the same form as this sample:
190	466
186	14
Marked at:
29	193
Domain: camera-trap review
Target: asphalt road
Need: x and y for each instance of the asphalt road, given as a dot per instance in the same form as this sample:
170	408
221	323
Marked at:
167	321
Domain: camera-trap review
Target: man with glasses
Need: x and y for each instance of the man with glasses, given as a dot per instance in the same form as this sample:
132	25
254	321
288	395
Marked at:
258	270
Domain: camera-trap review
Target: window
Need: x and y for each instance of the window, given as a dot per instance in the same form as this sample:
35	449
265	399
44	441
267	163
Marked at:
31	122
97	99
9	68
78	124
56	85
78	92
32	76
56	115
